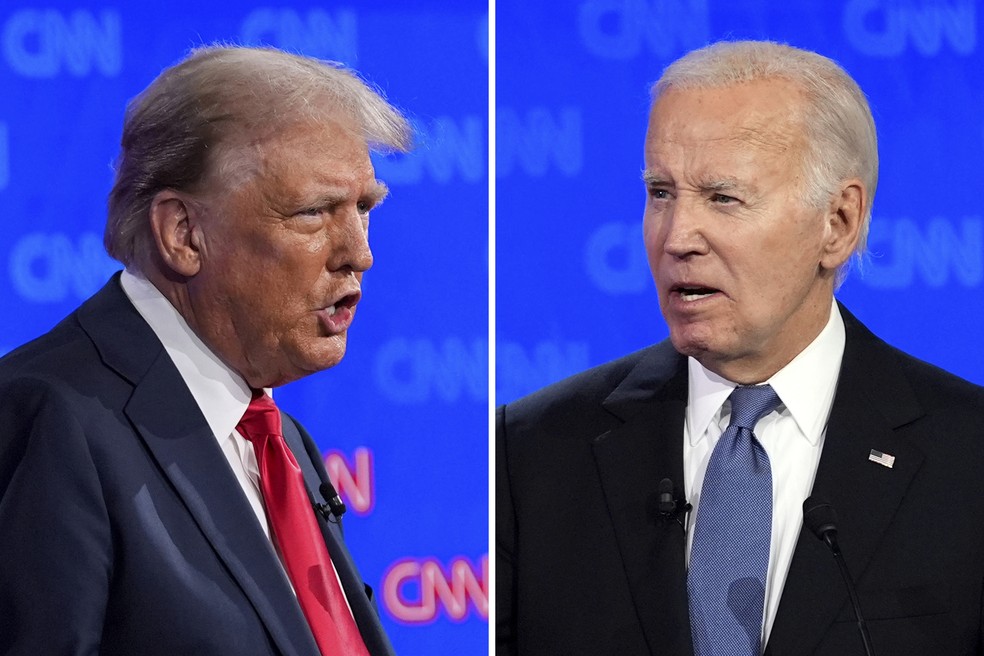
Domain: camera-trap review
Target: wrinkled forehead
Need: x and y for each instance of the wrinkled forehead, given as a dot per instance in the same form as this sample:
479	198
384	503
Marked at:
764	115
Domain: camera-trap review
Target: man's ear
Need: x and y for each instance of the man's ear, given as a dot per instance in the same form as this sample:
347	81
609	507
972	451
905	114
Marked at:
174	223
844	219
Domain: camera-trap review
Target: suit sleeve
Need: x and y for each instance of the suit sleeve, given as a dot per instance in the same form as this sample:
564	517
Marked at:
55	539
505	541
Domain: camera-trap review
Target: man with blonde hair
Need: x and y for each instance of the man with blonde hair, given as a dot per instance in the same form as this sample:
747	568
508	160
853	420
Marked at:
153	499
655	504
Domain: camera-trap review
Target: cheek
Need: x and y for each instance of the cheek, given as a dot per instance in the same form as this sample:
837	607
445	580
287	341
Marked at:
651	237
294	266
651	222
793	248
314	246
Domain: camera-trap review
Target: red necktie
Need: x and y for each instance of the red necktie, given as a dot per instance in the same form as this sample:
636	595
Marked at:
297	535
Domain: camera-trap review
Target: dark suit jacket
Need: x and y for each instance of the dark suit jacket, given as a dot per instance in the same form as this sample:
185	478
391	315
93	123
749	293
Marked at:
586	566
122	528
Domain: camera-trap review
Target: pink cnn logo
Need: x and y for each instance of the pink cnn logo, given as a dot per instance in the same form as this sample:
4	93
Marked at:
416	590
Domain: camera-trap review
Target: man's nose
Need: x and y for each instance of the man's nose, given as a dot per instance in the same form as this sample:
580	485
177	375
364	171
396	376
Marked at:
349	244
683	228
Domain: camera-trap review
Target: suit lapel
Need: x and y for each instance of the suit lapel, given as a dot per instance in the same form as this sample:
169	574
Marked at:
632	459
168	420
872	400
355	592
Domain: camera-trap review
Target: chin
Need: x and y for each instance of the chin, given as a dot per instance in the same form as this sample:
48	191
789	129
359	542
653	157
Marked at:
301	360
681	334
326	352
688	349
689	342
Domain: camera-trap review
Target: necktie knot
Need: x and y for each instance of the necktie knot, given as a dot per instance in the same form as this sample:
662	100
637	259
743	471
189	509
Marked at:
751	403
262	418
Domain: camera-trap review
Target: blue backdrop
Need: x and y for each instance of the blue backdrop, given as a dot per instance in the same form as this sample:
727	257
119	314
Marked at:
403	419
573	286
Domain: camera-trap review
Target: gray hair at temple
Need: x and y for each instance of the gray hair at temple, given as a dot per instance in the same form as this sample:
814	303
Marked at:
837	121
177	130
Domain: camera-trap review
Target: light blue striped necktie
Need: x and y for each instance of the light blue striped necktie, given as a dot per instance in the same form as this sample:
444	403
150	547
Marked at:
729	558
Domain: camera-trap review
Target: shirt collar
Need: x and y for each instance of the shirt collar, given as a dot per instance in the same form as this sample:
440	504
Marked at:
806	385
221	393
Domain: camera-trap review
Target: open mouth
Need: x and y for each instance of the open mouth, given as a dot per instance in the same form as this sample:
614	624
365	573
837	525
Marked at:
694	293
346	302
337	317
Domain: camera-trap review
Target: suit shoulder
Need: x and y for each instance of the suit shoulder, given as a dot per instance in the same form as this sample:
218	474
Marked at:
895	379
584	392
939	388
63	363
58	353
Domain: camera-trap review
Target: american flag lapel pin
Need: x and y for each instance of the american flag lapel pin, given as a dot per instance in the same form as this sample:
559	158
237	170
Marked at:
882	459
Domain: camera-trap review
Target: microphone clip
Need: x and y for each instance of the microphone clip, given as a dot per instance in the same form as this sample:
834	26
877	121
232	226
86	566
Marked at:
669	506
333	508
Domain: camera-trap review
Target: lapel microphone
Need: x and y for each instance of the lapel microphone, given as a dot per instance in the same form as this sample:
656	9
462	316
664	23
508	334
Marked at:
819	517
334	507
669	506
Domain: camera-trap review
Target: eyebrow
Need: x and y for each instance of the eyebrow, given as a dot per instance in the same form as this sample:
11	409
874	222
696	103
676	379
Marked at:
721	185
744	188
653	179
375	194
378	192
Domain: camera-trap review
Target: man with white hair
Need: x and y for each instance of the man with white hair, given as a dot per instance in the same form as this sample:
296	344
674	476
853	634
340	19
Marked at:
153	500
655	504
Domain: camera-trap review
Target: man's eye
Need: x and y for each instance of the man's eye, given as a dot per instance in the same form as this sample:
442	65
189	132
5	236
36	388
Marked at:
364	207
659	194
723	199
312	211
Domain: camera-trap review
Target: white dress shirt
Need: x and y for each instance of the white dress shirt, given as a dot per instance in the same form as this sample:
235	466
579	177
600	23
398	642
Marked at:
221	394
792	436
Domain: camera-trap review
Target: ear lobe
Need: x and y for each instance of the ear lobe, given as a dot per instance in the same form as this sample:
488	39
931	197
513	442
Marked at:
177	237
844	218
